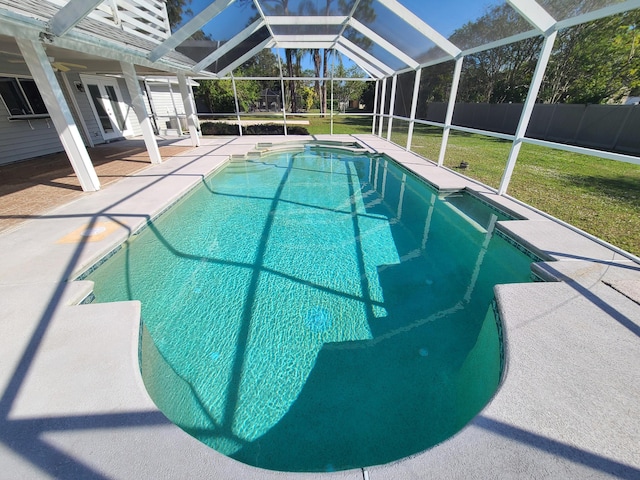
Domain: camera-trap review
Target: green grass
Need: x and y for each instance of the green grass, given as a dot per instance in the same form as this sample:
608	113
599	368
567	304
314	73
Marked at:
599	196
342	124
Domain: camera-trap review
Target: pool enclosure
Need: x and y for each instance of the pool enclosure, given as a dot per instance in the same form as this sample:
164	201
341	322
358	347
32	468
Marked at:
85	68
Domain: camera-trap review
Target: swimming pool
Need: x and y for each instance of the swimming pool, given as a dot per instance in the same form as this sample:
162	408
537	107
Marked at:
318	310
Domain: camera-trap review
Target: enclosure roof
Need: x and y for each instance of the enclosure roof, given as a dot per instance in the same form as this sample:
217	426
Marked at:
212	38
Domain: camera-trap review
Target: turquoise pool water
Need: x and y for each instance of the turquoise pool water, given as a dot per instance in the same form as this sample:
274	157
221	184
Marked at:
317	311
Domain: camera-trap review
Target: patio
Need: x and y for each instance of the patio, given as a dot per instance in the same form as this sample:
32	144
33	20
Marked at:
73	404
30	188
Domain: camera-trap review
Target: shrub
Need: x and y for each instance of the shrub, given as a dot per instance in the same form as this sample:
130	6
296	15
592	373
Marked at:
211	128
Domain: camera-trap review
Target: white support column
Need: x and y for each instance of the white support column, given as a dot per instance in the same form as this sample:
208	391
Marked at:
283	95
527	110
72	95
392	105
382	98
154	110
137	102
414	107
452	103
175	108
331	103
53	97
236	103
375	108
187	100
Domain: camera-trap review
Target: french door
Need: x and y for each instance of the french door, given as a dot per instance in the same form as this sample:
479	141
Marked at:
106	102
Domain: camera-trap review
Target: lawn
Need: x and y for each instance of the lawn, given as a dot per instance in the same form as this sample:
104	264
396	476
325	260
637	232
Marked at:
599	196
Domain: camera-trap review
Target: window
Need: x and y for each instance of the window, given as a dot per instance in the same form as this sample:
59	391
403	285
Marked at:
21	96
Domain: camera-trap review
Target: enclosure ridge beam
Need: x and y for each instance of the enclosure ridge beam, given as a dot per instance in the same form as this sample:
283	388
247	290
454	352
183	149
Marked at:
268	43
363	64
534	14
256	4
498	43
311	20
421	26
346	22
366	56
389	47
227	47
294	45
70	15
600	13
191	27
305	38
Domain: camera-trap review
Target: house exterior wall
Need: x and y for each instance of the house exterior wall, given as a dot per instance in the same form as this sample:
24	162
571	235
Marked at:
20	139
24	139
164	107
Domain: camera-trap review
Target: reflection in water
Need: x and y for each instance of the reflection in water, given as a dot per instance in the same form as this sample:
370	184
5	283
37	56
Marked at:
315	311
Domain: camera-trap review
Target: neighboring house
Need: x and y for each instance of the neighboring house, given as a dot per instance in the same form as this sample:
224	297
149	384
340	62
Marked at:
74	74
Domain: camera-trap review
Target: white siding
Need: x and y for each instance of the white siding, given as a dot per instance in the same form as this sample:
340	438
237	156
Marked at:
164	106
21	139
85	109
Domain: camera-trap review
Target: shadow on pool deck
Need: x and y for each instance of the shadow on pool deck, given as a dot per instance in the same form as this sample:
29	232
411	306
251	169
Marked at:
566	409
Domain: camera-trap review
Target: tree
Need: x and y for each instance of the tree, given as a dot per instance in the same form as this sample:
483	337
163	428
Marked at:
175	10
218	95
501	74
595	62
345	90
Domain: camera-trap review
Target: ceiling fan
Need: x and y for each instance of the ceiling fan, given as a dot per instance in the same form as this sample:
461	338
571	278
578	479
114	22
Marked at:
66	66
58	66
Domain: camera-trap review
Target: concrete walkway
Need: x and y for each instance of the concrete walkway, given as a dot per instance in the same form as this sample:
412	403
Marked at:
73	404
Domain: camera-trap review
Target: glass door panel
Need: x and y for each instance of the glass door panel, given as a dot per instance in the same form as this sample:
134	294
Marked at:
103	116
115	106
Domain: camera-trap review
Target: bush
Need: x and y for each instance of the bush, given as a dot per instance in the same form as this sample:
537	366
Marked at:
210	128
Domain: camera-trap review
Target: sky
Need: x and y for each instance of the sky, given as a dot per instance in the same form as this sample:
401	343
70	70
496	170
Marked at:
443	16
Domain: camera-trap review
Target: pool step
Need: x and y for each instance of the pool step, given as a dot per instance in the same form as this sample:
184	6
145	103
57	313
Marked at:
77	293
99	343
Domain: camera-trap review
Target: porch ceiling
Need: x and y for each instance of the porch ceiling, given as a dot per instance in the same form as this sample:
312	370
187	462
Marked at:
12	63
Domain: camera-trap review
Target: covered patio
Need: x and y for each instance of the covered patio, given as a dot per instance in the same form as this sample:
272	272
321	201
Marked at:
31	188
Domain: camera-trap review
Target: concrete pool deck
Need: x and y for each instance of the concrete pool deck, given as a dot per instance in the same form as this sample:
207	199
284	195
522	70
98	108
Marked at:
73	404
